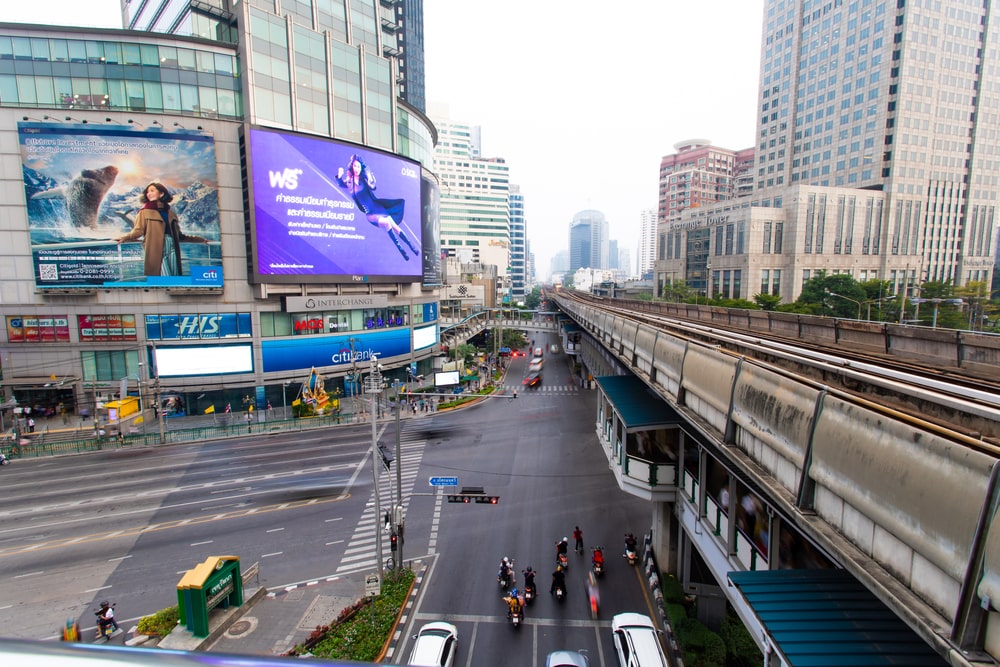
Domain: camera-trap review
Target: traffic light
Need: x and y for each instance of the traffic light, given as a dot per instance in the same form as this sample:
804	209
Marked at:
474	494
394	542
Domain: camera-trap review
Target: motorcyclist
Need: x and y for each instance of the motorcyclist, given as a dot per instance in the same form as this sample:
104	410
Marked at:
562	547
514	603
505	573
105	617
558	580
630	542
529	578
593	595
598	557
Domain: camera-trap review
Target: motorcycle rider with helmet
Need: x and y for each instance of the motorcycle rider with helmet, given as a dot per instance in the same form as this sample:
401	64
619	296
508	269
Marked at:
558	580
514	603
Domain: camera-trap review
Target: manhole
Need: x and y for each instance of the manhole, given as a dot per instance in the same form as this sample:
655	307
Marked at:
242	627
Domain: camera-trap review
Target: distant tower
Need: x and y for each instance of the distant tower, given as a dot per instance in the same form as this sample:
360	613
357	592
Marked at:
588	241
646	252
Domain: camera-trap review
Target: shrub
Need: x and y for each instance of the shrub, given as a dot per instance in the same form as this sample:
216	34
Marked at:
353	636
161	623
739	644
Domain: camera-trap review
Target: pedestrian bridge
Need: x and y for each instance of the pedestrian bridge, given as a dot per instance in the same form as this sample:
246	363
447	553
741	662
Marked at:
817	477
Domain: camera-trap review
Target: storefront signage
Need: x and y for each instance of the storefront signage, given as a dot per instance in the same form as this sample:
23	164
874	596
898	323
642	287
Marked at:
308	304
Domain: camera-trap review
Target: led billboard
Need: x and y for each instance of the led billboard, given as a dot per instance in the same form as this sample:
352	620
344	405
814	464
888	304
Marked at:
88	220
326	211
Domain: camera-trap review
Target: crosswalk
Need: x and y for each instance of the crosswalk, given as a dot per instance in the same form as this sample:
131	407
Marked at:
361	551
561	389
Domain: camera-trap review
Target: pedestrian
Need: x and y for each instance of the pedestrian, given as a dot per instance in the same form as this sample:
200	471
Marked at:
423	406
578	536
31	424
249	421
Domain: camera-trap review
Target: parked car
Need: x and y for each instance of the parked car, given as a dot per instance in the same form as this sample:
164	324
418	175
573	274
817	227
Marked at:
566	659
434	645
637	641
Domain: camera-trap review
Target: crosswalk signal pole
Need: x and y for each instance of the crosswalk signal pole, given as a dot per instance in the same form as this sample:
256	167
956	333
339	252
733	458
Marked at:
397	511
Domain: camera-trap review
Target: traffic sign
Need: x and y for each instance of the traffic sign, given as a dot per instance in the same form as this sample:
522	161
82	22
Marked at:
443	481
373	585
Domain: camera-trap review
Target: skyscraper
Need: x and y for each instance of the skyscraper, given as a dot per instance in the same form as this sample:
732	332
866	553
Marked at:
475	196
895	97
646	252
588	241
518	246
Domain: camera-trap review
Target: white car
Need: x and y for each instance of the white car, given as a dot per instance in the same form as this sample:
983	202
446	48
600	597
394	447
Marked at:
637	641
435	645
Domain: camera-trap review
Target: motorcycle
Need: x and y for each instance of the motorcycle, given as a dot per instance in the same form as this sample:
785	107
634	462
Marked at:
561	559
106	629
630	550
597	561
560	593
505	576
529	593
593	596
4	460
515	619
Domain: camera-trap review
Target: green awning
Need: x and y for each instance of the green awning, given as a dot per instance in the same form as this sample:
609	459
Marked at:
827	618
636	403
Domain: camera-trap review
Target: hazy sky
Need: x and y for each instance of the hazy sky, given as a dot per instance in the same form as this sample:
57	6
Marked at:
581	100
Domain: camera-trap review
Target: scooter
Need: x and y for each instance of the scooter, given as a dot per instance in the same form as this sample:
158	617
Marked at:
598	563
506	578
562	560
515	619
630	552
529	593
4	460
560	594
106	629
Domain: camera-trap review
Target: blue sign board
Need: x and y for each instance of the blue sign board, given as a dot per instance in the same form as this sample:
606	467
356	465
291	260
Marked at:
443	481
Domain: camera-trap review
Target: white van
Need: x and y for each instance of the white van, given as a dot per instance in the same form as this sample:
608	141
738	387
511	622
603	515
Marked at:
637	641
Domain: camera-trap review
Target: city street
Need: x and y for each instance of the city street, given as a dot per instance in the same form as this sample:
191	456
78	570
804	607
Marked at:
125	525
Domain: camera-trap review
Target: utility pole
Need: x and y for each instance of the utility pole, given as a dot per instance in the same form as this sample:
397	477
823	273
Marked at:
374	386
158	407
397	512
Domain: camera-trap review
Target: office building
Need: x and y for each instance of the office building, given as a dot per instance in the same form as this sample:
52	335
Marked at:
518	273
475	196
876	155
280	262
588	241
646	251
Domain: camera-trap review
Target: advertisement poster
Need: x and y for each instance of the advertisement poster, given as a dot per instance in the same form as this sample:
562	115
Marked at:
84	187
431	194
325	210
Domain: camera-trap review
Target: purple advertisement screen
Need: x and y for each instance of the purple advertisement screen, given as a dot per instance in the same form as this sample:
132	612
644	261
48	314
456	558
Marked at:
331	210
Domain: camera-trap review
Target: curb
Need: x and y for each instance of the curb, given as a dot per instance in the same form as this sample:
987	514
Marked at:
182	638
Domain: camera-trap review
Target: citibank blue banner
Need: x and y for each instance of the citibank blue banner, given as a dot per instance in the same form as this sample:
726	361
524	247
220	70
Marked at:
305	352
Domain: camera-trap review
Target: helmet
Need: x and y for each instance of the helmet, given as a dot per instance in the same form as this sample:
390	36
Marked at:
528	569
505	561
513	592
565	539
105	603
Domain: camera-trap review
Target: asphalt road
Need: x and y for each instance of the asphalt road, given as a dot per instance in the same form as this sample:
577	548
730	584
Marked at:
126	525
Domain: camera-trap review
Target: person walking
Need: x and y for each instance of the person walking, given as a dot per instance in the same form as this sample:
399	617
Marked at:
578	536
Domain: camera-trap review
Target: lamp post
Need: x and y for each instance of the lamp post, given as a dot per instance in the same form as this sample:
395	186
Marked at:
879	302
708	282
374	387
284	400
142	411
847	298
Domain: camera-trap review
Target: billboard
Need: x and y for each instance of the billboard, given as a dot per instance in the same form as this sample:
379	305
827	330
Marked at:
84	187
431	195
197	360
322	351
326	211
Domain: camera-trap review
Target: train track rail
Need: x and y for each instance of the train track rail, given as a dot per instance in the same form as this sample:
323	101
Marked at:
944	396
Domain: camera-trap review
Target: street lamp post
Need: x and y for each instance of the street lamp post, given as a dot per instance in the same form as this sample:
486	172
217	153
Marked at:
708	282
374	387
847	298
142	411
879	302
284	400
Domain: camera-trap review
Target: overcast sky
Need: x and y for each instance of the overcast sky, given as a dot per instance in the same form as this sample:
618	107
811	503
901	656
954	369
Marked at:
581	99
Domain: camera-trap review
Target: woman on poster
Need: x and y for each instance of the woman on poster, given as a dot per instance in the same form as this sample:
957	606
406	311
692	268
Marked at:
385	214
160	230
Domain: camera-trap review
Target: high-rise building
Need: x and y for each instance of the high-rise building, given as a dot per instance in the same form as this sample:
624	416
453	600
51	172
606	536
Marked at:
696	175
588	241
876	155
518	273
475	196
612	254
895	97
646	252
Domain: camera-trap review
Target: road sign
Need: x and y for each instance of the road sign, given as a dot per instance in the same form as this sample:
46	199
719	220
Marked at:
373	585
443	481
